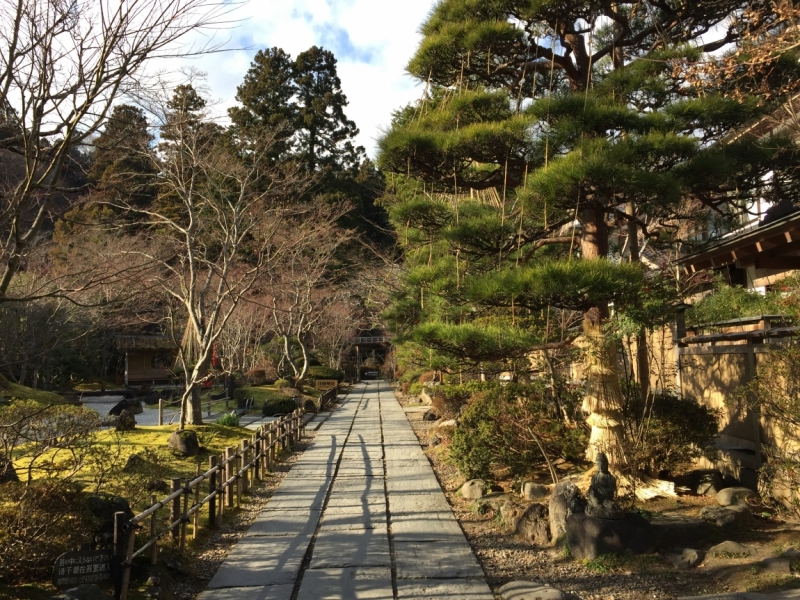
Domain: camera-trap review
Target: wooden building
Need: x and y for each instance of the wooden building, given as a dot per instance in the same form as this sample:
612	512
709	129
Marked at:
148	358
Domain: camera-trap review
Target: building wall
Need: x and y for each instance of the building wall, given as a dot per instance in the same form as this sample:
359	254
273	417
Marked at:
140	366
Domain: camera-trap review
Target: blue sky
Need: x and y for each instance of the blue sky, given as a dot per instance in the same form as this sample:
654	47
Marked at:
372	40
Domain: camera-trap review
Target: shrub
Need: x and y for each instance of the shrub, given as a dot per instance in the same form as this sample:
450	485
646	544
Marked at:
39	523
503	428
447	400
310	406
256	377
415	389
325	373
427	377
280	406
667	432
230	419
281	383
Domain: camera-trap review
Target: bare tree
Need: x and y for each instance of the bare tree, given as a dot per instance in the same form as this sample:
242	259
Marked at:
305	285
213	229
63	64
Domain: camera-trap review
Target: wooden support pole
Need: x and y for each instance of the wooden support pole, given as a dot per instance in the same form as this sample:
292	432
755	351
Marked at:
196	521
212	486
160	412
221	495
153	531
175	509
126	565
184	517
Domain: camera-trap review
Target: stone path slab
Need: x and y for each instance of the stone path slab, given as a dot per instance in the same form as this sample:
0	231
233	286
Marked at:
360	515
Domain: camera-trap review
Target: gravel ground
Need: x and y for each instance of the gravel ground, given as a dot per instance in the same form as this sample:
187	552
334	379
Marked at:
505	557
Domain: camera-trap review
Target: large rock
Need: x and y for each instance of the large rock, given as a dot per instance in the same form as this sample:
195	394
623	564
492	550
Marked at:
710	483
686	558
184	442
730	549
734	495
588	537
534	491
86	591
565	501
430	415
776	566
529	590
126	421
474	489
534	525
131	404
103	507
724	516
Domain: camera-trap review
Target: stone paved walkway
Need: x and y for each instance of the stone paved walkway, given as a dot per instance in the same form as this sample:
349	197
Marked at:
360	515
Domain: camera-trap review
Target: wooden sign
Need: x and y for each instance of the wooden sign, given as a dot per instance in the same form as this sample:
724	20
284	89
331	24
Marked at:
85	566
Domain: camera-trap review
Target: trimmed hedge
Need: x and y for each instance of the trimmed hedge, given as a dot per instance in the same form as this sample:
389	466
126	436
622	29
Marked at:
280	406
326	373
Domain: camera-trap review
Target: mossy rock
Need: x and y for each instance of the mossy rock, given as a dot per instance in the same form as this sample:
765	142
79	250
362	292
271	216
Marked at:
184	442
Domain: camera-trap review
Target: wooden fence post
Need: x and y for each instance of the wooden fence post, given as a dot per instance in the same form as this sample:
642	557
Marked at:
255	441
196	521
245	479
118	559
212	487
221	491
237	465
126	565
228	474
153	531
175	509
160	412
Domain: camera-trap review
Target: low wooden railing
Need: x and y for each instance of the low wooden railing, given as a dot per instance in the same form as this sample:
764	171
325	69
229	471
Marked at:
228	477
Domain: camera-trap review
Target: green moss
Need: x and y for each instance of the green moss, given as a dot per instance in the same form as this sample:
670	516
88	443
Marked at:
21	392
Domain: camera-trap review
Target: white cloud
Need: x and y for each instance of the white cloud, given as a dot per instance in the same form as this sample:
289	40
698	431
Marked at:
372	40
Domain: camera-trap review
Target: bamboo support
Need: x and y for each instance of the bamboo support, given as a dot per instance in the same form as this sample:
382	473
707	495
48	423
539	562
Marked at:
184	517
245	475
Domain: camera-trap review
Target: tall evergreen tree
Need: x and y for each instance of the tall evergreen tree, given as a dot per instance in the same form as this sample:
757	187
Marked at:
302	100
550	112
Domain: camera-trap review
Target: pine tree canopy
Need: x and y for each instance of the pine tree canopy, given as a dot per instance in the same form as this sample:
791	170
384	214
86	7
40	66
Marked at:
300	100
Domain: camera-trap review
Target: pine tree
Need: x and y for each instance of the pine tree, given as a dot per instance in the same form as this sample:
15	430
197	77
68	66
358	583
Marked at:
538	114
122	162
303	102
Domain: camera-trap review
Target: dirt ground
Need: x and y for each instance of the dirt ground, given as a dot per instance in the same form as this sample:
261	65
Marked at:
506	557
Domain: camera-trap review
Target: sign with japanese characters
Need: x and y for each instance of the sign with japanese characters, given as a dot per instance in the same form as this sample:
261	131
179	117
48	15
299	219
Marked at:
86	566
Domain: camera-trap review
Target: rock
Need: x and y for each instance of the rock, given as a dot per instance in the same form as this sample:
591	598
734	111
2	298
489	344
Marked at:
588	537
8	473
184	442
565	501
686	558
710	483
430	415
157	485
126	421
723	516
534	491
495	502
86	591
511	513
473	489
434	440
529	590
134	463
534	525
776	566
790	552
449	423
131	404
734	495
730	549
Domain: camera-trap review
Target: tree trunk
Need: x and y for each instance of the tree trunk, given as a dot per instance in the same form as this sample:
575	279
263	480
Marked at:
642	359
603	399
